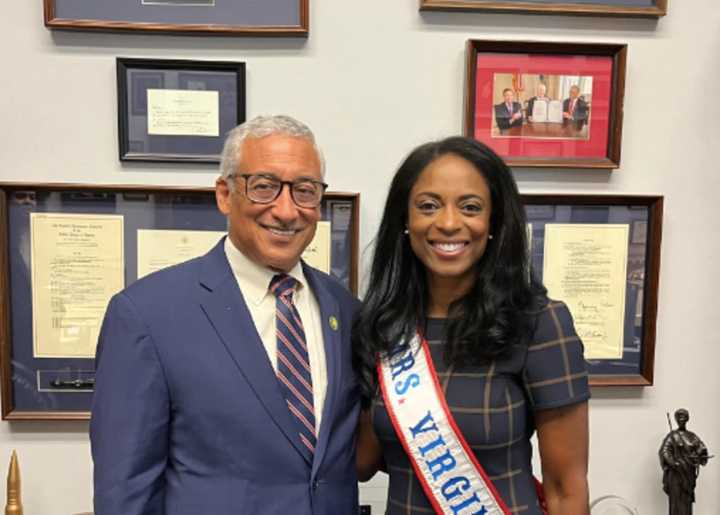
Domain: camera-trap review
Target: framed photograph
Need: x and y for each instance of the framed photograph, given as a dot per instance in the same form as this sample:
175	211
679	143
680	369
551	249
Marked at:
66	249
625	8
175	111
209	17
600	254
547	104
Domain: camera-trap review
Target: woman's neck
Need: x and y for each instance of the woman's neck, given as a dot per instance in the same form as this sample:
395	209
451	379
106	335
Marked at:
443	292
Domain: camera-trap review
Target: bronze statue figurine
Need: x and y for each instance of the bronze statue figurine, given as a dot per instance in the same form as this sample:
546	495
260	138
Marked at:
681	455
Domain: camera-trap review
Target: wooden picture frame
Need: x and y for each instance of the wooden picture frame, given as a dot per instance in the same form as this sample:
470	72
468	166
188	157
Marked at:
622	8
591	75
193	130
561	227
45	386
266	18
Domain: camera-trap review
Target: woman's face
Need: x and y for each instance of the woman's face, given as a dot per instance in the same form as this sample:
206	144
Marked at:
449	220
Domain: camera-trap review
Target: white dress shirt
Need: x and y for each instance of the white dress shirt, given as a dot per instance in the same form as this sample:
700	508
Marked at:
254	282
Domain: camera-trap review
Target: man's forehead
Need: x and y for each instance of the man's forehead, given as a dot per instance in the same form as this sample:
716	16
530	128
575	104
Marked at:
277	142
280	150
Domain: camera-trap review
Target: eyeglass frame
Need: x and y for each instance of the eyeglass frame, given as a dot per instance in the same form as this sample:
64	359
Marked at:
290	184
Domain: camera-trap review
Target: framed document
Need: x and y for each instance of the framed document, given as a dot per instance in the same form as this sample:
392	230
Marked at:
625	8
601	256
547	104
209	17
77	266
172	111
66	249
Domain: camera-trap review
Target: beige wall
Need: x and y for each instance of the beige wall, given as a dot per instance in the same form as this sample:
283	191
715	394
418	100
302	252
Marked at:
552	84
502	81
374	79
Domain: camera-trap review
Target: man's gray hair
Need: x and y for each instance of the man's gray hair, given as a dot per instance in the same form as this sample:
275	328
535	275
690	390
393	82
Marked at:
259	127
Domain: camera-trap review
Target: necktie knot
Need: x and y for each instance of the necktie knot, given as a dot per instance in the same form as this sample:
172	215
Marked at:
283	285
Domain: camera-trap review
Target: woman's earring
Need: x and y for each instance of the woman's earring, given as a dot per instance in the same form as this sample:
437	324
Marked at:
490	236
406	231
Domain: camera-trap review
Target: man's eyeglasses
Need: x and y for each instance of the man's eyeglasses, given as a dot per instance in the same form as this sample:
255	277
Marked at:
263	188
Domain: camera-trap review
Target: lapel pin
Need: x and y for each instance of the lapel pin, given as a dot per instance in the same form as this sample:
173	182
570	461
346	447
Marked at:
334	324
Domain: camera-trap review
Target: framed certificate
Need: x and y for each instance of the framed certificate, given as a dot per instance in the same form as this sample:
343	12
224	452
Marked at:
66	249
625	8
551	104
209	17
601	256
175	111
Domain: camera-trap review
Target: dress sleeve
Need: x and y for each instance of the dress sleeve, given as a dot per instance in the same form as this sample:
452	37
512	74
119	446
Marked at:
555	372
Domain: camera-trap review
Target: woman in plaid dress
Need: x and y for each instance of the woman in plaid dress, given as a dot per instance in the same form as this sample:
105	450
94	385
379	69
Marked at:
451	260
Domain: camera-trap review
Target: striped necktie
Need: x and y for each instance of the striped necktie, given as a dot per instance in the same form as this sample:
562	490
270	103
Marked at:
293	363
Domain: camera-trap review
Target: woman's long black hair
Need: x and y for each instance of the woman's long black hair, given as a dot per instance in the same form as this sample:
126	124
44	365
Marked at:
494	315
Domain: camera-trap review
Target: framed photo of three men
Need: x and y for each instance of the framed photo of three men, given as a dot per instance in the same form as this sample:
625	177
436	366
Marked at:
547	104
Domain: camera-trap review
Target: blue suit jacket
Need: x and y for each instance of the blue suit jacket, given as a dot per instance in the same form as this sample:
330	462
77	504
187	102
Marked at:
188	418
502	116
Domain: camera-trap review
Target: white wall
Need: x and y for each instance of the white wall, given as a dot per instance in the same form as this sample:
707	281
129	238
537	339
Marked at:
374	79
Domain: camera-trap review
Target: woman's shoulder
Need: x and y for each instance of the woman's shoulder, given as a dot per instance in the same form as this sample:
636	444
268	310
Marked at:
555	370
553	322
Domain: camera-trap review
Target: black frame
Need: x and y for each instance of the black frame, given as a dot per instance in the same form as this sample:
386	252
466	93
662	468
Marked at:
130	107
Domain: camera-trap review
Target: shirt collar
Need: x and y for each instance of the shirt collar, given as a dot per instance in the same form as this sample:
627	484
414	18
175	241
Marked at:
254	279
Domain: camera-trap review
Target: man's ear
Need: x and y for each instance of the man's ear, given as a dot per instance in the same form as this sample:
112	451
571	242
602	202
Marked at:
222	195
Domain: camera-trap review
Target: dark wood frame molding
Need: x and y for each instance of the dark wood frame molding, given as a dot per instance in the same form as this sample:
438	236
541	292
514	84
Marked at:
617	52
509	6
654	205
301	30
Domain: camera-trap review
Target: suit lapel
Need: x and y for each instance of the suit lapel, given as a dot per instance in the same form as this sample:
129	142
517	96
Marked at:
225	307
331	339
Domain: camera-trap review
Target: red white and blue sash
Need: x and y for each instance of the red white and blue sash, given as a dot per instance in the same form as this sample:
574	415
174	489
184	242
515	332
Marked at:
453	480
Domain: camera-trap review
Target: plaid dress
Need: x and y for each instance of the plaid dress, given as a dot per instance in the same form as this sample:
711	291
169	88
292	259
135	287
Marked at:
493	406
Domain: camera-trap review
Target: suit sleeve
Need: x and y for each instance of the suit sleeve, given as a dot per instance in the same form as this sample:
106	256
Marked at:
501	119
130	416
583	110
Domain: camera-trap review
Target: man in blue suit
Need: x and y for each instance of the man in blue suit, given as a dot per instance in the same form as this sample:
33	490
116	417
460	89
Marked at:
575	109
508	113
224	385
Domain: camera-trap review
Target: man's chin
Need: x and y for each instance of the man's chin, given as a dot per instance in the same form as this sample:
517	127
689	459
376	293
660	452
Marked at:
282	261
282	266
